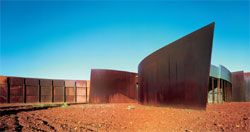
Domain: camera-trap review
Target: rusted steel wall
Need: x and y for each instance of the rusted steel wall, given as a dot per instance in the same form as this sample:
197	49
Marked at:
70	90
110	86
58	86
46	90
238	86
81	91
178	73
17	90
3	89
32	90
247	86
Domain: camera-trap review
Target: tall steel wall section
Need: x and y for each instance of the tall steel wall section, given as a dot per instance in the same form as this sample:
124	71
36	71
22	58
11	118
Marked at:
58	87
4	89
110	86
81	91
70	90
32	90
178	73
17	90
238	86
247	86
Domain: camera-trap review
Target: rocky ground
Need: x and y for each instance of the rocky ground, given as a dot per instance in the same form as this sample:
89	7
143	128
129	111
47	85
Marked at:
129	117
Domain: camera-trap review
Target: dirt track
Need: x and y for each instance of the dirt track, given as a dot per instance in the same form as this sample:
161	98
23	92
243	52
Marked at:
130	117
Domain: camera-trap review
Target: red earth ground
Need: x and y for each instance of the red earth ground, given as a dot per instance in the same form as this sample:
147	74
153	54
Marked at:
130	117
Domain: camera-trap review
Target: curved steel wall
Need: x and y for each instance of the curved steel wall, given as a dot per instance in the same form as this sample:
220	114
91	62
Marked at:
110	86
178	73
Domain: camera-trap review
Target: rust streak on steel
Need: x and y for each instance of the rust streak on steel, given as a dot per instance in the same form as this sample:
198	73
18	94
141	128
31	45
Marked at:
110	86
178	73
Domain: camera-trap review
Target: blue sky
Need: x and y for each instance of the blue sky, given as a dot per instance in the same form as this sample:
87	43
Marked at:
64	40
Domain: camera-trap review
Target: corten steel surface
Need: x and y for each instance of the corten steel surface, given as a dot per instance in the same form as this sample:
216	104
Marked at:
70	90
58	86
81	83
70	94
238	86
3	89
16	89
110	86
70	83
81	94
178	73
31	82
58	94
32	90
247	86
46	90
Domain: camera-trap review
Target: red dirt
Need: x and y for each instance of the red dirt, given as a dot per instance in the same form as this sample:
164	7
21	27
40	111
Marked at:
131	117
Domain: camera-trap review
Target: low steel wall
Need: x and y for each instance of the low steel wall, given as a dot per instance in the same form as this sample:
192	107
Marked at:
110	86
34	90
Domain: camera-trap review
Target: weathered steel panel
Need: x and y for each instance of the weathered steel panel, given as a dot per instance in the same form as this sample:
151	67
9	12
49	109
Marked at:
45	82
238	86
81	83
58	83
46	98
46	93
81	98
59	94
3	89
70	83
3	80
32	99
109	86
70	98
81	91
16	99
3	93
16	92
58	98
31	82
178	73
58	91
247	86
70	91
32	90
32	94
16	81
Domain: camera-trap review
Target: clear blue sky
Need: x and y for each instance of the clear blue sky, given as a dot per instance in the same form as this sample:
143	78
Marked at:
66	39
